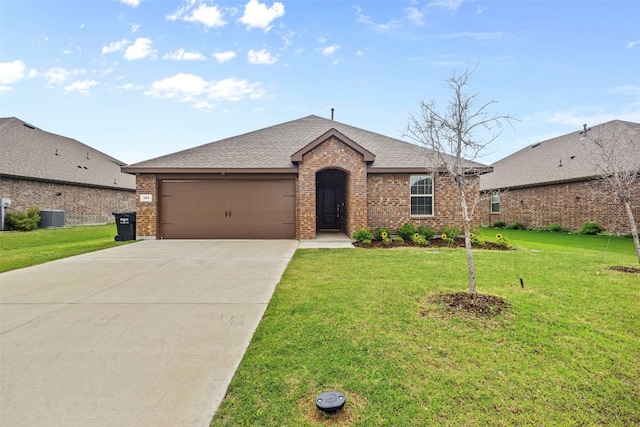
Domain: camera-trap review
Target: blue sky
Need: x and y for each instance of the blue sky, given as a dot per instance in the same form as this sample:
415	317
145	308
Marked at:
137	79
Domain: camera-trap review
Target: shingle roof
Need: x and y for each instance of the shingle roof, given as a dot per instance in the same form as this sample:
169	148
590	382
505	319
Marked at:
563	159
271	148
29	152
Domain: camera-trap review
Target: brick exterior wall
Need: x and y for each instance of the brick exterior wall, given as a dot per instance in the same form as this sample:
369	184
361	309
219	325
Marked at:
569	205
388	202
147	212
82	205
331	154
376	200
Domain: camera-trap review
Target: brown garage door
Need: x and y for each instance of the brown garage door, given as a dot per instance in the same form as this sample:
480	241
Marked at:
241	209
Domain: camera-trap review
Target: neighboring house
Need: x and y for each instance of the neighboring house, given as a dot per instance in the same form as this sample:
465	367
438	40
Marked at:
291	181
52	172
556	181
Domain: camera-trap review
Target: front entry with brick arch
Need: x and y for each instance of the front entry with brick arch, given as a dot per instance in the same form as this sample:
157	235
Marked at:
330	200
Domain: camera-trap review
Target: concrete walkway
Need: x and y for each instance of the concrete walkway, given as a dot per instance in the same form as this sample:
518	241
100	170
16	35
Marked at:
147	334
327	240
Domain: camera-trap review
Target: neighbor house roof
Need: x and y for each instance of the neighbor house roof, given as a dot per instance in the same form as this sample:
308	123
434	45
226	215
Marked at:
31	153
566	158
277	148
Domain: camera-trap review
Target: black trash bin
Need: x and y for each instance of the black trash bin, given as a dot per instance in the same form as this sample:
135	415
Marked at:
126	224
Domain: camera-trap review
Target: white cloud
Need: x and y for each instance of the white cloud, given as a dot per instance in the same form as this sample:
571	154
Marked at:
132	3
476	36
209	16
381	28
446	4
627	90
330	50
181	55
128	86
223	57
194	89
114	46
81	87
415	16
11	72
576	118
261	57
57	76
632	44
135	28
258	15
140	49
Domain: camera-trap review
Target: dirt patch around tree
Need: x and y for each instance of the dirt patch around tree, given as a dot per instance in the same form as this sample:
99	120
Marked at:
464	303
624	269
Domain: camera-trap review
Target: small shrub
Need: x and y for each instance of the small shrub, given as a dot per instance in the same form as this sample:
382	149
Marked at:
499	224
426	232
503	242
590	228
516	226
477	239
381	233
451	232
22	222
556	228
398	239
362	234
366	241
420	240
406	231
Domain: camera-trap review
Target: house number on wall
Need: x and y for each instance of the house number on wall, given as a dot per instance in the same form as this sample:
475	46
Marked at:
146	198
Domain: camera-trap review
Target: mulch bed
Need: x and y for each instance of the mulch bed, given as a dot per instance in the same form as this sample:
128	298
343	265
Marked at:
624	269
433	243
465	303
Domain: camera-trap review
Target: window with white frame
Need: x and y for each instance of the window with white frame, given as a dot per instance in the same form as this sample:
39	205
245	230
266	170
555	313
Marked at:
421	195
495	203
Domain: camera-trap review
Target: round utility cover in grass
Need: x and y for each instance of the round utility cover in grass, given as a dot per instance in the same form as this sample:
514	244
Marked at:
330	401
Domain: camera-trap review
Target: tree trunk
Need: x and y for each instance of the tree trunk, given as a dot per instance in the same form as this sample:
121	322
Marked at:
467	240
634	228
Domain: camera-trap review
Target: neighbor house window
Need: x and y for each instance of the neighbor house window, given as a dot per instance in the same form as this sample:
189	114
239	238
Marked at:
495	203
421	195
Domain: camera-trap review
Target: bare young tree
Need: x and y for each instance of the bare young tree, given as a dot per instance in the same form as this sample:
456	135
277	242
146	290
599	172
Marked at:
455	137
616	158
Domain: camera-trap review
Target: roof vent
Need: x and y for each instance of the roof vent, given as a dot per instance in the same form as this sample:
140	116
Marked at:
332	109
29	126
584	130
56	153
535	145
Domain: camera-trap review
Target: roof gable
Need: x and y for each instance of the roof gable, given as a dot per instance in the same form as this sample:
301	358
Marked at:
333	133
31	153
270	150
565	158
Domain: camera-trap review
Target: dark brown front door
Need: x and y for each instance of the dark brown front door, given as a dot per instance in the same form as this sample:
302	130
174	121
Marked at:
229	209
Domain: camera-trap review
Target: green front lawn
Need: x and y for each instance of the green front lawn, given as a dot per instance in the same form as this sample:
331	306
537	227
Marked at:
357	320
21	249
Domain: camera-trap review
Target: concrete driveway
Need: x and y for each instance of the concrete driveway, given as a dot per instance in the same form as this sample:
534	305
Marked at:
147	334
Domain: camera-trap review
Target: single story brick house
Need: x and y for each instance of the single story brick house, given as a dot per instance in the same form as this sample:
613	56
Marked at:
556	181
290	181
53	172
